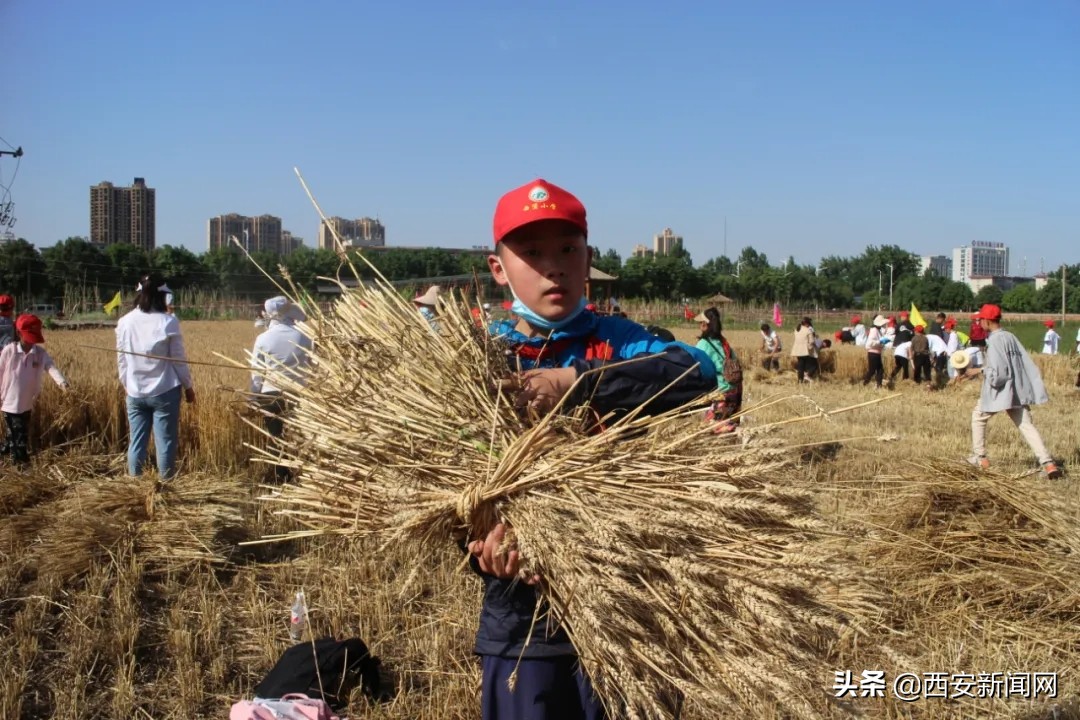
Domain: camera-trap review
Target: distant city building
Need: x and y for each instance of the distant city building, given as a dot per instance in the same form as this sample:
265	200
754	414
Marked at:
939	265
262	232
1002	282
123	215
290	243
980	259
362	232
641	251
666	242
1040	281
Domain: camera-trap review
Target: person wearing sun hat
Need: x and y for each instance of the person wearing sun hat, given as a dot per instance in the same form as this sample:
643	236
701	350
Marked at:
1051	339
1011	384
875	370
285	349
427	305
22	363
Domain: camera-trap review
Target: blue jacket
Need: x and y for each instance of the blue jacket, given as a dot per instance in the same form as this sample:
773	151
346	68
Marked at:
507	611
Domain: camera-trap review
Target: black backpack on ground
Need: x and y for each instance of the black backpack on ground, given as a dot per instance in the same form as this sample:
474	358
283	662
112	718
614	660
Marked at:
327	669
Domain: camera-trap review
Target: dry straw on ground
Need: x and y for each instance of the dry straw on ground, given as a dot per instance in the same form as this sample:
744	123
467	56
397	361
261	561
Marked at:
685	570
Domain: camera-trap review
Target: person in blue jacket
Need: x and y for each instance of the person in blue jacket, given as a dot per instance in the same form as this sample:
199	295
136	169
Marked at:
542	256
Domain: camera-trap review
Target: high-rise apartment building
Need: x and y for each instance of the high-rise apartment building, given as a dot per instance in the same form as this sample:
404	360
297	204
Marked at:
254	233
666	242
940	265
641	251
980	259
123	215
362	232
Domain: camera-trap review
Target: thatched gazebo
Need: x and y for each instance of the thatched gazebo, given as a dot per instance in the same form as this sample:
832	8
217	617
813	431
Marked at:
601	282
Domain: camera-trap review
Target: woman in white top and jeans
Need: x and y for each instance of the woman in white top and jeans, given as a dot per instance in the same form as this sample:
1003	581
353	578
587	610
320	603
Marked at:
153	369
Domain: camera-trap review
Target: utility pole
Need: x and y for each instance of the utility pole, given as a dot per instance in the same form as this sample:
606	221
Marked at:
1063	295
725	236
879	272
890	285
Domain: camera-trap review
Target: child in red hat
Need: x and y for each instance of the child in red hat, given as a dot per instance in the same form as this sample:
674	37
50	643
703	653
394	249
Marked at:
7	325
542	256
22	364
1050	339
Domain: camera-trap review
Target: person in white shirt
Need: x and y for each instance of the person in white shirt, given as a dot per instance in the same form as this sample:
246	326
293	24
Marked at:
770	348
22	363
901	354
858	331
153	369
939	358
284	349
1050	339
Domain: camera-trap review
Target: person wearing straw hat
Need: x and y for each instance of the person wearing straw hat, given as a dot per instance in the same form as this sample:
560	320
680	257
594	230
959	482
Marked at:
558	348
1050	339
1011	384
961	367
22	364
874	368
153	369
7	325
281	348
427	304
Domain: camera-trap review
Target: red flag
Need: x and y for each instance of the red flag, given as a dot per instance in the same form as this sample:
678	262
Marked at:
777	318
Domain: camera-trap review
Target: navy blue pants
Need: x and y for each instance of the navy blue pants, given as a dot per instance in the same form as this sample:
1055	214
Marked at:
547	689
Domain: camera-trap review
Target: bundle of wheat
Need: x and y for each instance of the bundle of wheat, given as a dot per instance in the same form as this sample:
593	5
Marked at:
969	553
193	520
683	569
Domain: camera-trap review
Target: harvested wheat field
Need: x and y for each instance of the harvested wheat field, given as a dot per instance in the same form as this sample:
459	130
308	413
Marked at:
122	599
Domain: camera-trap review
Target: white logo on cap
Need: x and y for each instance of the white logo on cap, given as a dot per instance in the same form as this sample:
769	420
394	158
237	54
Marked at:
538	194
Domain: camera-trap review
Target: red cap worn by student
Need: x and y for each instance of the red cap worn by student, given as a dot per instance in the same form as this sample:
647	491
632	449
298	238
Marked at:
7	304
535	201
1048	323
29	328
988	312
920	329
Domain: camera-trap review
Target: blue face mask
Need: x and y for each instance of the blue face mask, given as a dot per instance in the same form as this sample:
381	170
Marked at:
522	310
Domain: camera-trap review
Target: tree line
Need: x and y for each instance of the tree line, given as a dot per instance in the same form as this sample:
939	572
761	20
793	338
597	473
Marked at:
861	281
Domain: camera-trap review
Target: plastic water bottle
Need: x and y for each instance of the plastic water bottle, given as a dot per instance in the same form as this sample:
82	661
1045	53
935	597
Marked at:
298	618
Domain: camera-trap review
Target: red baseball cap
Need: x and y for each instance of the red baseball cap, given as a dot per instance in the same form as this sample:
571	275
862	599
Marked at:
533	201
1048	323
904	313
988	312
29	327
856	320
7	302
919	329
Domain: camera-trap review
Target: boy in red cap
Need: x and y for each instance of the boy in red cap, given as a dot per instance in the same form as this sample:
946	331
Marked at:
542	256
7	326
22	364
1011	384
1050	339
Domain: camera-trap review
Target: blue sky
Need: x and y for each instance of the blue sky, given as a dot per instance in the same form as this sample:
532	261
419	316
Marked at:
814	128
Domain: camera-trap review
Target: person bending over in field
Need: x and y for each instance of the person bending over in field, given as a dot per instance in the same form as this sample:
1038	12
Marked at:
542	256
285	348
22	364
153	368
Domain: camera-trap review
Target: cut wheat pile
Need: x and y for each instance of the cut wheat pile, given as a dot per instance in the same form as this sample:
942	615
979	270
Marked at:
684	570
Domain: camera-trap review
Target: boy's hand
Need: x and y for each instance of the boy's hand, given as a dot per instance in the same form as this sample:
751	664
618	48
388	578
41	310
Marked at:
541	390
189	394
493	559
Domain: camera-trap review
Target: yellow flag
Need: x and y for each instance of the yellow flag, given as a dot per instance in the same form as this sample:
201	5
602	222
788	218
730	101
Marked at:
917	318
113	304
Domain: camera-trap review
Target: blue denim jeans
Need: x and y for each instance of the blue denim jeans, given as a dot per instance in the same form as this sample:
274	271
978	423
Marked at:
162	413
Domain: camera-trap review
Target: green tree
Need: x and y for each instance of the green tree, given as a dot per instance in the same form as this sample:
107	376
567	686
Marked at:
129	263
956	296
74	261
180	267
1021	298
989	295
21	268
